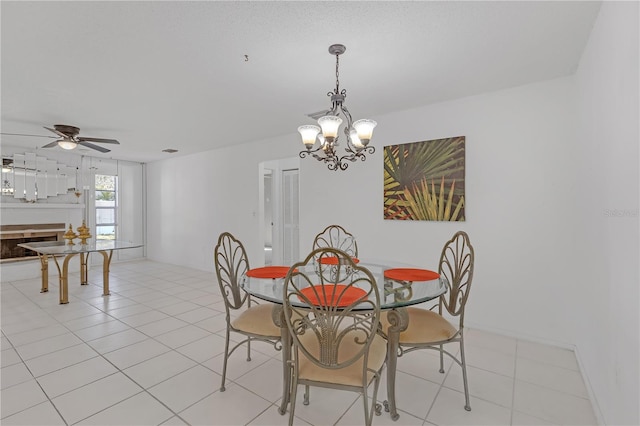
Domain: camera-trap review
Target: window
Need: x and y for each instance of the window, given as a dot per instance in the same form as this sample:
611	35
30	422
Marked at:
106	207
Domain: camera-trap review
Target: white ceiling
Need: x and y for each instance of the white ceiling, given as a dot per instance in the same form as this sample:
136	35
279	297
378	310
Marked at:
173	74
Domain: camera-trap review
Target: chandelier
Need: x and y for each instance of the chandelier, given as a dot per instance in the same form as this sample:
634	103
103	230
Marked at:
357	134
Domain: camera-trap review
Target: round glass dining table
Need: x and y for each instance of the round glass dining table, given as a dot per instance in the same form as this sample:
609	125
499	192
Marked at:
395	296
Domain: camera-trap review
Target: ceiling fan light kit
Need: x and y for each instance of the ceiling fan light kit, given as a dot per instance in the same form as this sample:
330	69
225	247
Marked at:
357	134
66	144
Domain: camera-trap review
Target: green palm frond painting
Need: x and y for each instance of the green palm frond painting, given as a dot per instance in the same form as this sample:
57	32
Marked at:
425	180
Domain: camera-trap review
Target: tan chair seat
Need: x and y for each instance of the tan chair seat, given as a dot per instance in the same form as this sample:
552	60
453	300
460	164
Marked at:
351	375
424	327
257	320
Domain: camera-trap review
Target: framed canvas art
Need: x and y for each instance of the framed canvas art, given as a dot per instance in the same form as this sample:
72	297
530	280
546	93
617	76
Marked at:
425	180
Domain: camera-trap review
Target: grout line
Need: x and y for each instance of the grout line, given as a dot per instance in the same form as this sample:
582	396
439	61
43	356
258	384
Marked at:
51	402
37	383
440	386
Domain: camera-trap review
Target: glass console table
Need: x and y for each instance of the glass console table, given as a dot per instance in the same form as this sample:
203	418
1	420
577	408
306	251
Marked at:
57	249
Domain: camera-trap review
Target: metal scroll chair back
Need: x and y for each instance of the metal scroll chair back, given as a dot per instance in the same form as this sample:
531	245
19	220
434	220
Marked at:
335	236
456	265
231	263
333	322
253	323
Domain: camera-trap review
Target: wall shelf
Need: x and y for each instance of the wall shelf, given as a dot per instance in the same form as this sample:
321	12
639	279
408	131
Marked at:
40	206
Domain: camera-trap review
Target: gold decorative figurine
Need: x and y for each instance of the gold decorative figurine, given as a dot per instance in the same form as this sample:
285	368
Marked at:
83	233
70	235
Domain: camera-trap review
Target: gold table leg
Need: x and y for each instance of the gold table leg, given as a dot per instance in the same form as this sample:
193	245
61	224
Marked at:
64	278
106	261
84	274
44	262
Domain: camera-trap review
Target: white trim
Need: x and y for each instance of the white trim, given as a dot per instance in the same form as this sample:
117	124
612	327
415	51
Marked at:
587	384
519	336
40	206
31	231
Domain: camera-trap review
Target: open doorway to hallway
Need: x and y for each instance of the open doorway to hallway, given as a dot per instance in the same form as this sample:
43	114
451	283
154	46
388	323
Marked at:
279	211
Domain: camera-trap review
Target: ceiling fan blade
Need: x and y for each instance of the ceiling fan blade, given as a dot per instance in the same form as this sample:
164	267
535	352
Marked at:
50	145
56	132
100	140
318	114
92	146
24	134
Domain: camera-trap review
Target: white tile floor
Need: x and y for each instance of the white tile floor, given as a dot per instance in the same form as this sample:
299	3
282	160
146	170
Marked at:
149	354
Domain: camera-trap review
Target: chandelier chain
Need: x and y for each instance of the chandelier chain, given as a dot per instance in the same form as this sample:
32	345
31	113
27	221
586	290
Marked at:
337	74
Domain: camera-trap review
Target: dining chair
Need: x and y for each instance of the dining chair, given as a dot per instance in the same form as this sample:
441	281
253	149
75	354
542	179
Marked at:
430	330
333	327
252	321
335	236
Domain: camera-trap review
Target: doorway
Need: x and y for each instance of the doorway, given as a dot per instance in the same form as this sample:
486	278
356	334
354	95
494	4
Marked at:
279	211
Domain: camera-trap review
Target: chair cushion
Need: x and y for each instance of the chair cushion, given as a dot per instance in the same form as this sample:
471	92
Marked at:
351	375
257	320
424	327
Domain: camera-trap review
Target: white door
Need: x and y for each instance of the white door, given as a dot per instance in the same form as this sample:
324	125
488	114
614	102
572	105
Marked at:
279	215
290	217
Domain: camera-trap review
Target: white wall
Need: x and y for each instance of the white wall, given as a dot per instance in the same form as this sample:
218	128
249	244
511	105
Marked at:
549	265
607	232
192	199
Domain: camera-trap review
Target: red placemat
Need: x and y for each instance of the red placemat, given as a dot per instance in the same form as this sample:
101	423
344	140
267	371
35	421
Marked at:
268	272
332	295
333	260
410	274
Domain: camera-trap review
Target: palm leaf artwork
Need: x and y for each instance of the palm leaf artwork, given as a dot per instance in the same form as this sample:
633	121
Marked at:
425	180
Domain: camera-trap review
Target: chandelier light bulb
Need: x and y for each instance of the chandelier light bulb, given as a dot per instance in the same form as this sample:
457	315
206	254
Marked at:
309	133
365	128
330	125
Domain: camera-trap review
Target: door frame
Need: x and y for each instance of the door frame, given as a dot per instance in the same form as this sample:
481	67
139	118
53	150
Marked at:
277	167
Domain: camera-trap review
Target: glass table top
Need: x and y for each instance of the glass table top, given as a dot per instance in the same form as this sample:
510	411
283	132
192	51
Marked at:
393	294
62	248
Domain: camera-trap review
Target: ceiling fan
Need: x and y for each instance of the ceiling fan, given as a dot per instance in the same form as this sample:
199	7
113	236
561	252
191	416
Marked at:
69	139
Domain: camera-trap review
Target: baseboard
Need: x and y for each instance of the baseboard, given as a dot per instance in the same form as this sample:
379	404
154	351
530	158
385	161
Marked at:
590	392
520	336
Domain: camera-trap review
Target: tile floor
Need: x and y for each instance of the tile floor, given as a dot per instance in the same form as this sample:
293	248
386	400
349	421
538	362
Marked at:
150	354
